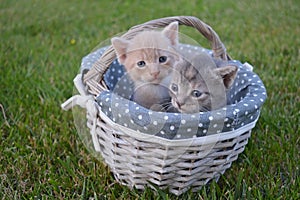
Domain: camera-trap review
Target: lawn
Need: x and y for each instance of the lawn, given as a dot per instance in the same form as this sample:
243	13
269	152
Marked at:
42	44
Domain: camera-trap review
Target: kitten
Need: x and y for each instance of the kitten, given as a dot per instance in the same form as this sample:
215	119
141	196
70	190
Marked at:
148	58
199	85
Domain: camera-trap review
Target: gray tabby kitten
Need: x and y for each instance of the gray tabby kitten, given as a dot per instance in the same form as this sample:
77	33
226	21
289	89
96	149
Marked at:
198	84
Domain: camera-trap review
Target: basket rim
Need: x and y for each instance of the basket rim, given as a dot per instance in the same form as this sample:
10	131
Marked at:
145	137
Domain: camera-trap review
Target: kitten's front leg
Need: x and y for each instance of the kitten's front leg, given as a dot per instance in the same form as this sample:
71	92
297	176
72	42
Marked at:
152	96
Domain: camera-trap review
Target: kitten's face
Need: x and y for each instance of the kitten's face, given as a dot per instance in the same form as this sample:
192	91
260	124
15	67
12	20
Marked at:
200	86
150	55
189	91
149	65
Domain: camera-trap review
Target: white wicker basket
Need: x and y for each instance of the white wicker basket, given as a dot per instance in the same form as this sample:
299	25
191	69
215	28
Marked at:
137	158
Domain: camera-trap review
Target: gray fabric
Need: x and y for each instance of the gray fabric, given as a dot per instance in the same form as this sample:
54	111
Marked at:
247	95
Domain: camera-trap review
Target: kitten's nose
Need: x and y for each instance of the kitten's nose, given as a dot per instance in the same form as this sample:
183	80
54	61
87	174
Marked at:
155	74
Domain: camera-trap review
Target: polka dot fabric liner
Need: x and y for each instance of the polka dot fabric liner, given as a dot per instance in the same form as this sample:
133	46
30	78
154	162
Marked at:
246	95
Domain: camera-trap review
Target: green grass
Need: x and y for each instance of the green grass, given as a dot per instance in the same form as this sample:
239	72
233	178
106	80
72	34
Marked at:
42	43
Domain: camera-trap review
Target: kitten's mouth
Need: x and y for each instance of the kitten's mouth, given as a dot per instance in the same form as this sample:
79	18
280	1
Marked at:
155	81
185	108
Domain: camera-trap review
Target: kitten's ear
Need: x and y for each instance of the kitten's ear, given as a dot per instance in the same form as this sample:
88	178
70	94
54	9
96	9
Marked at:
228	74
171	32
120	45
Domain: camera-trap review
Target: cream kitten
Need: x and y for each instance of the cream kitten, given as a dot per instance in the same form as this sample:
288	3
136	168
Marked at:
199	85
148	58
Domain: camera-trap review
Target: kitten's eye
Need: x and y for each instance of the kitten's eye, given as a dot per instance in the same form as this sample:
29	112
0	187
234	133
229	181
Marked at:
162	59
141	63
196	93
174	87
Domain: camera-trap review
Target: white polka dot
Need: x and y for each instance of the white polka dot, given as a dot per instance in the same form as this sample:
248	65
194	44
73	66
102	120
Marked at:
200	125
245	104
215	125
242	124
172	128
137	108
119	115
131	121
114	119
218	131
145	127
107	99
162	132
124	87
178	136
246	113
261	100
150	112
193	116
127	111
166	117
244	74
227	125
194	136
116	104
255	106
109	109
189	130
183	121
204	131
251	117
210	118
125	125
155	123
226	119
140	117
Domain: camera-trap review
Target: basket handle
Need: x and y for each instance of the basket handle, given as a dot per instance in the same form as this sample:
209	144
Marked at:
94	77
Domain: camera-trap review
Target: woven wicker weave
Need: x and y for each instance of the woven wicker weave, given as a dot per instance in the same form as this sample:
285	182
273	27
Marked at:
137	159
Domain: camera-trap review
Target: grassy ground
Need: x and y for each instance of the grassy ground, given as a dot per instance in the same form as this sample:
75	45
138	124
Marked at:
42	43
